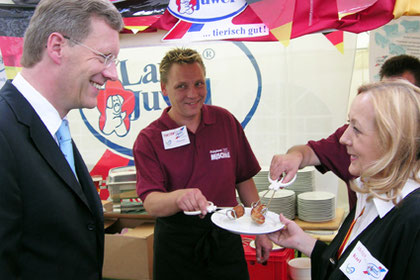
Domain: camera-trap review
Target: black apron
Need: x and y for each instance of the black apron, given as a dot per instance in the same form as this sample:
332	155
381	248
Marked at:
191	248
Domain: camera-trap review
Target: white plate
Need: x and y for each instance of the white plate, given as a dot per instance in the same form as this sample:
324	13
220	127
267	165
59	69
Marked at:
245	225
275	246
278	194
316	195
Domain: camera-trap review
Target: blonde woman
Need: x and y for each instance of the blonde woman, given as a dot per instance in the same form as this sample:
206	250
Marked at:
380	238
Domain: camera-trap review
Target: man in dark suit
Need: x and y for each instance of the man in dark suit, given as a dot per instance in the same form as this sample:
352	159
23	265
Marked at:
51	220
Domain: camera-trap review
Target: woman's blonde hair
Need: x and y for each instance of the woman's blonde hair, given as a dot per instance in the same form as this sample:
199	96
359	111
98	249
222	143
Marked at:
397	116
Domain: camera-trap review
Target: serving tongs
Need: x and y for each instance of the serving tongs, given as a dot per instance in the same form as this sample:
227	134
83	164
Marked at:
274	186
230	213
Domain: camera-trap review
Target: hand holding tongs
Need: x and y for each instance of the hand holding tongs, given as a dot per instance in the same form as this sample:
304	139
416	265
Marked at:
275	185
278	184
211	208
230	213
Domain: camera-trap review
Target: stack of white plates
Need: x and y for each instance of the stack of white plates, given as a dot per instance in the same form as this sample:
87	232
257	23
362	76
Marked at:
316	206
283	201
304	181
261	180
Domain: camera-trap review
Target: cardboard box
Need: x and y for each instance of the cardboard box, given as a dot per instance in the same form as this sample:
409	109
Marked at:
107	205
129	255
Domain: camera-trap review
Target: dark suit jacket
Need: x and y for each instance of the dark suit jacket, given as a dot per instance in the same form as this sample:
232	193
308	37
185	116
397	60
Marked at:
51	226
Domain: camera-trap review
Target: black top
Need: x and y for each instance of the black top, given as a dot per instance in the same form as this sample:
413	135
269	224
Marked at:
393	240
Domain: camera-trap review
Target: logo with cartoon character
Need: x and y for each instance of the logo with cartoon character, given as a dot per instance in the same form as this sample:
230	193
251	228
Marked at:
127	106
374	271
186	6
115	105
201	11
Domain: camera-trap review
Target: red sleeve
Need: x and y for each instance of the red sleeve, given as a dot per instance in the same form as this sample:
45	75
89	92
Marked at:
333	155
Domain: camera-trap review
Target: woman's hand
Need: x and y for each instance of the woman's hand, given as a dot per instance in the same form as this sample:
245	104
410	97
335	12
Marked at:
292	236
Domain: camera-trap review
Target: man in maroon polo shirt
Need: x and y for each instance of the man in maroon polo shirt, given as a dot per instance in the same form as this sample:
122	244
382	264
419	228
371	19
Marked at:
194	153
328	154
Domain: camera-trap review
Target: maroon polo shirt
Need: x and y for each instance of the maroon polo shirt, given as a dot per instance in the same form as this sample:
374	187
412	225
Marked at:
218	157
334	157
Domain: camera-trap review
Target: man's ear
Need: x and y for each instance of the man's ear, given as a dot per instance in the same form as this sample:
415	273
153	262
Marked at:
163	88
55	46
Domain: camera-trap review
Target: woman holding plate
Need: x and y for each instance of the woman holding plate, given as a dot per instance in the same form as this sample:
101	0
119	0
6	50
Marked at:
380	238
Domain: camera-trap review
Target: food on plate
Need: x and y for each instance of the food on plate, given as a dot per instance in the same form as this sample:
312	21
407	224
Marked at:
237	211
258	213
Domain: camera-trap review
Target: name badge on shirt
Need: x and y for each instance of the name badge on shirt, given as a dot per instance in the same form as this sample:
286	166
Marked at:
361	265
176	137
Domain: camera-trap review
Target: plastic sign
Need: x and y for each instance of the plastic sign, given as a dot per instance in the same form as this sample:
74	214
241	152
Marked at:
105	135
203	11
210	20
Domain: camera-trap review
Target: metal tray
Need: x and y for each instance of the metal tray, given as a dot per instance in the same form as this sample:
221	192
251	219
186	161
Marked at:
121	174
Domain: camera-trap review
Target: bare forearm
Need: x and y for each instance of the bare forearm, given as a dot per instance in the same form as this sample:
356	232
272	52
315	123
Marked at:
162	204
247	192
306	244
306	155
292	236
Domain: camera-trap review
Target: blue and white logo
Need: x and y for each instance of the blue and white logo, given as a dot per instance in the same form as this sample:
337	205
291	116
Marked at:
202	11
139	77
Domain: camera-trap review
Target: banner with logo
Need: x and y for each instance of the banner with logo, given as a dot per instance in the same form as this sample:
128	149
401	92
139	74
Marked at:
245	20
281	96
284	19
400	36
211	20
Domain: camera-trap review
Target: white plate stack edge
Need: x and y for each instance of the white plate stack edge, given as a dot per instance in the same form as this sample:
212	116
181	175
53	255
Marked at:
316	206
283	201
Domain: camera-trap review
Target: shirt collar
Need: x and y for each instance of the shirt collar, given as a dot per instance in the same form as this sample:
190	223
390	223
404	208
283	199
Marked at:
166	119
383	206
207	117
45	110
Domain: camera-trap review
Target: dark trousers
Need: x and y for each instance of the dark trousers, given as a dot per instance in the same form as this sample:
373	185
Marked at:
191	248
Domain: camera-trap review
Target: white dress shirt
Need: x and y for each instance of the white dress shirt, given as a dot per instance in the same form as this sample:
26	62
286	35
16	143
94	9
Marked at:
45	110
